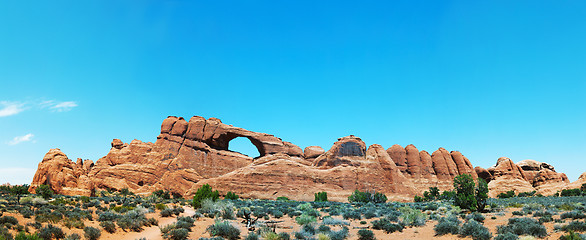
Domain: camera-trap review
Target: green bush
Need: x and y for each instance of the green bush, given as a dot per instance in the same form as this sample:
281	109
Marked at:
481	194
571	236
282	198
571	192
464	186
50	232
448	195
475	230
508	194
160	206
91	233
162	194
476	217
418	199
575	226
108	226
412	217
224	229
305	219
45	191
321	197
25	236
231	196
352	215
177	234
365	234
449	224
523	226
204	192
506	236
386	225
366	197
573	215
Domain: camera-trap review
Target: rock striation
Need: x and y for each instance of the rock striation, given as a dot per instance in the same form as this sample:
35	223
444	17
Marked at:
188	154
524	176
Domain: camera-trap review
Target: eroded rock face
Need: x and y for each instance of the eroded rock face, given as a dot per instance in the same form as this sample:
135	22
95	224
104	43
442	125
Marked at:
312	152
188	154
525	176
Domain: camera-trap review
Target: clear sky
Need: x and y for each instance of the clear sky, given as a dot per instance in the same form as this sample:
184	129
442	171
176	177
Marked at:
487	78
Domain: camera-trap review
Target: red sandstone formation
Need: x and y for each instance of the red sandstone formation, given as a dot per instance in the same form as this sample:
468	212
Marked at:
188	154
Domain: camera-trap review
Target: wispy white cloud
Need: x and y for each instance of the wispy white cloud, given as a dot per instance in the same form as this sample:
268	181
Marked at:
58	106
10	108
64	106
16	175
19	139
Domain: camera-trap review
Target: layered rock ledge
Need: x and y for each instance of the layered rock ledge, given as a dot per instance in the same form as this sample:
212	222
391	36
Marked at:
188	154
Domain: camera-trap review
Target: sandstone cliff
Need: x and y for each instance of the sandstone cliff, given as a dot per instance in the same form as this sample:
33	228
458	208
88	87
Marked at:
188	154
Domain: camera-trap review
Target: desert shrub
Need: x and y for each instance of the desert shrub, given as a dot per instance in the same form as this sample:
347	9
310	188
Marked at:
526	194
572	236
177	234
475	230
4	233
167	212
224	229
108	216
476	217
204	192
508	194
464	186
506	236
545	219
352	215
162	194
8	219
449	224
321	197
133	220
213	209
282	198
575	226
36	225
252	236
412	217
366	197
573	215
277	214
50	232
571	192
418	199
231	196
518	213
481	194
73	223
26	213
523	226
91	233
45	191
386	225
108	226
73	236
160	206
339	235
25	236
365	234
305	219
185	225
334	222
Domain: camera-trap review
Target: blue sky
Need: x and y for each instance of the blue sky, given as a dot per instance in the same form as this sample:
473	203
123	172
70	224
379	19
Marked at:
489	79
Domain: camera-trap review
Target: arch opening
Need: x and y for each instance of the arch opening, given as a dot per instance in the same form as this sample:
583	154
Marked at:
245	146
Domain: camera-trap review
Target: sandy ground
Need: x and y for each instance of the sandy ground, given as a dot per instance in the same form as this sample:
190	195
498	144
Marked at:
288	225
